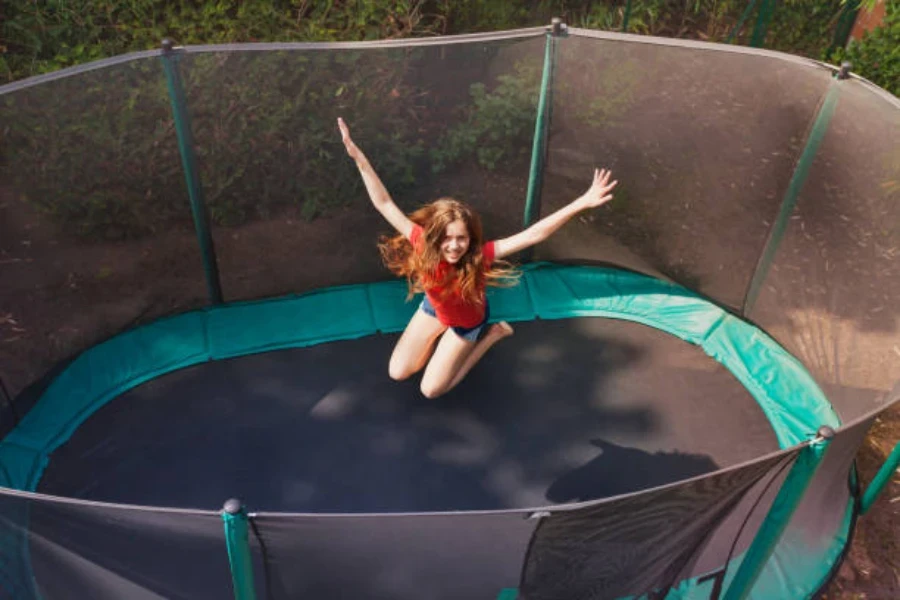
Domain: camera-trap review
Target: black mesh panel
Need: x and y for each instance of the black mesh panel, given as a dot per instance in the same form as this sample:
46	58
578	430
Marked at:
288	206
109	552
95	225
702	142
830	296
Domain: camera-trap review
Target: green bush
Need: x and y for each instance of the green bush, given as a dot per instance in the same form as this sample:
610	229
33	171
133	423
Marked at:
265	127
877	55
804	27
51	34
44	36
497	126
97	152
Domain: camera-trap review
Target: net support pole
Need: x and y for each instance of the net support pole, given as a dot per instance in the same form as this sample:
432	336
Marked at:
844	26
763	18
189	163
880	481
539	144
237	541
779	515
626	17
740	23
798	179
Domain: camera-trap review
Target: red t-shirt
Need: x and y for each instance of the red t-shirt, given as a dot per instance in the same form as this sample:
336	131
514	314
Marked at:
450	308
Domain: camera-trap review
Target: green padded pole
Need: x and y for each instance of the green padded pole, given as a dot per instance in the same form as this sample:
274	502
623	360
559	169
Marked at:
801	171
881	480
539	145
779	515
763	18
189	162
627	16
238	542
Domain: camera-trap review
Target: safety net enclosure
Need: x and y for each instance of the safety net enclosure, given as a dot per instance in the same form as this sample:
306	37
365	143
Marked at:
194	310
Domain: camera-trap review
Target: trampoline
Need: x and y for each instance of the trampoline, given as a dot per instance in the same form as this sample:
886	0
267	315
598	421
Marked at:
675	417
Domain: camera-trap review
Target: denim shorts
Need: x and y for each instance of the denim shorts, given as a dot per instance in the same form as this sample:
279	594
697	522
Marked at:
470	334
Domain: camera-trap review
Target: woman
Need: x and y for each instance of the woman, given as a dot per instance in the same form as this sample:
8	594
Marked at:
439	249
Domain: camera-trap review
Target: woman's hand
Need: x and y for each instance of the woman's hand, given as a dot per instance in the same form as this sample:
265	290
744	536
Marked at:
599	192
352	149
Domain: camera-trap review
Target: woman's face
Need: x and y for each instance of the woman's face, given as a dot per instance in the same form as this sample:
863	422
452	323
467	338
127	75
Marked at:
456	242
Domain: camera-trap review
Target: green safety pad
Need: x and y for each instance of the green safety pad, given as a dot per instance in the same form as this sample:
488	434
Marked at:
334	314
769	373
19	464
390	307
95	377
566	292
159	348
511	303
772	375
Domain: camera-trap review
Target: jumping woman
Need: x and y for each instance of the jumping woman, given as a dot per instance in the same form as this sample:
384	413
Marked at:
440	250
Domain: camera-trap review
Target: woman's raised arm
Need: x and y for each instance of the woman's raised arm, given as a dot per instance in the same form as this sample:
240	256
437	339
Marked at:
379	195
597	195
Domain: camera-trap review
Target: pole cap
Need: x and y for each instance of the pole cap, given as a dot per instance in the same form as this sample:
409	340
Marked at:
825	432
557	26
844	73
167	45
233	506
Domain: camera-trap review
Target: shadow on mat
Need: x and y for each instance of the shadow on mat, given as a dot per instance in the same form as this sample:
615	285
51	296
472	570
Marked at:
620	470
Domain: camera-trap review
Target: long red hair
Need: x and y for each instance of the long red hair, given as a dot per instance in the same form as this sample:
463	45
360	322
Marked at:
420	269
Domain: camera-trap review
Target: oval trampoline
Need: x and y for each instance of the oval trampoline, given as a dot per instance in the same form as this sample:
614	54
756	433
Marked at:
675	417
579	407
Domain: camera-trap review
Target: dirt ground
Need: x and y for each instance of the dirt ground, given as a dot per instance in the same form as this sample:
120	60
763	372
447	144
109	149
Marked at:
871	570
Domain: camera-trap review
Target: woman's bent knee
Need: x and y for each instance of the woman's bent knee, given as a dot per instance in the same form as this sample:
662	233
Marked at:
399	371
431	391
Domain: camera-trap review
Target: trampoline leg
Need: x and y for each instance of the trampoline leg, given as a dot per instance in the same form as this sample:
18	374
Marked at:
880	481
238	543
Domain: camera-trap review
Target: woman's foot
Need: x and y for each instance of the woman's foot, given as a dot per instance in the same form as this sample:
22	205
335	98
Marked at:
500	330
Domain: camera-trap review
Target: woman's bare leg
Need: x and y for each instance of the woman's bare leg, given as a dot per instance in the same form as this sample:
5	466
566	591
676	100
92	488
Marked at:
494	334
415	345
455	357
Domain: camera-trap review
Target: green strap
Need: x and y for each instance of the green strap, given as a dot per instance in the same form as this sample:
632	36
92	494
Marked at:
801	171
778	517
189	162
238	543
881	480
